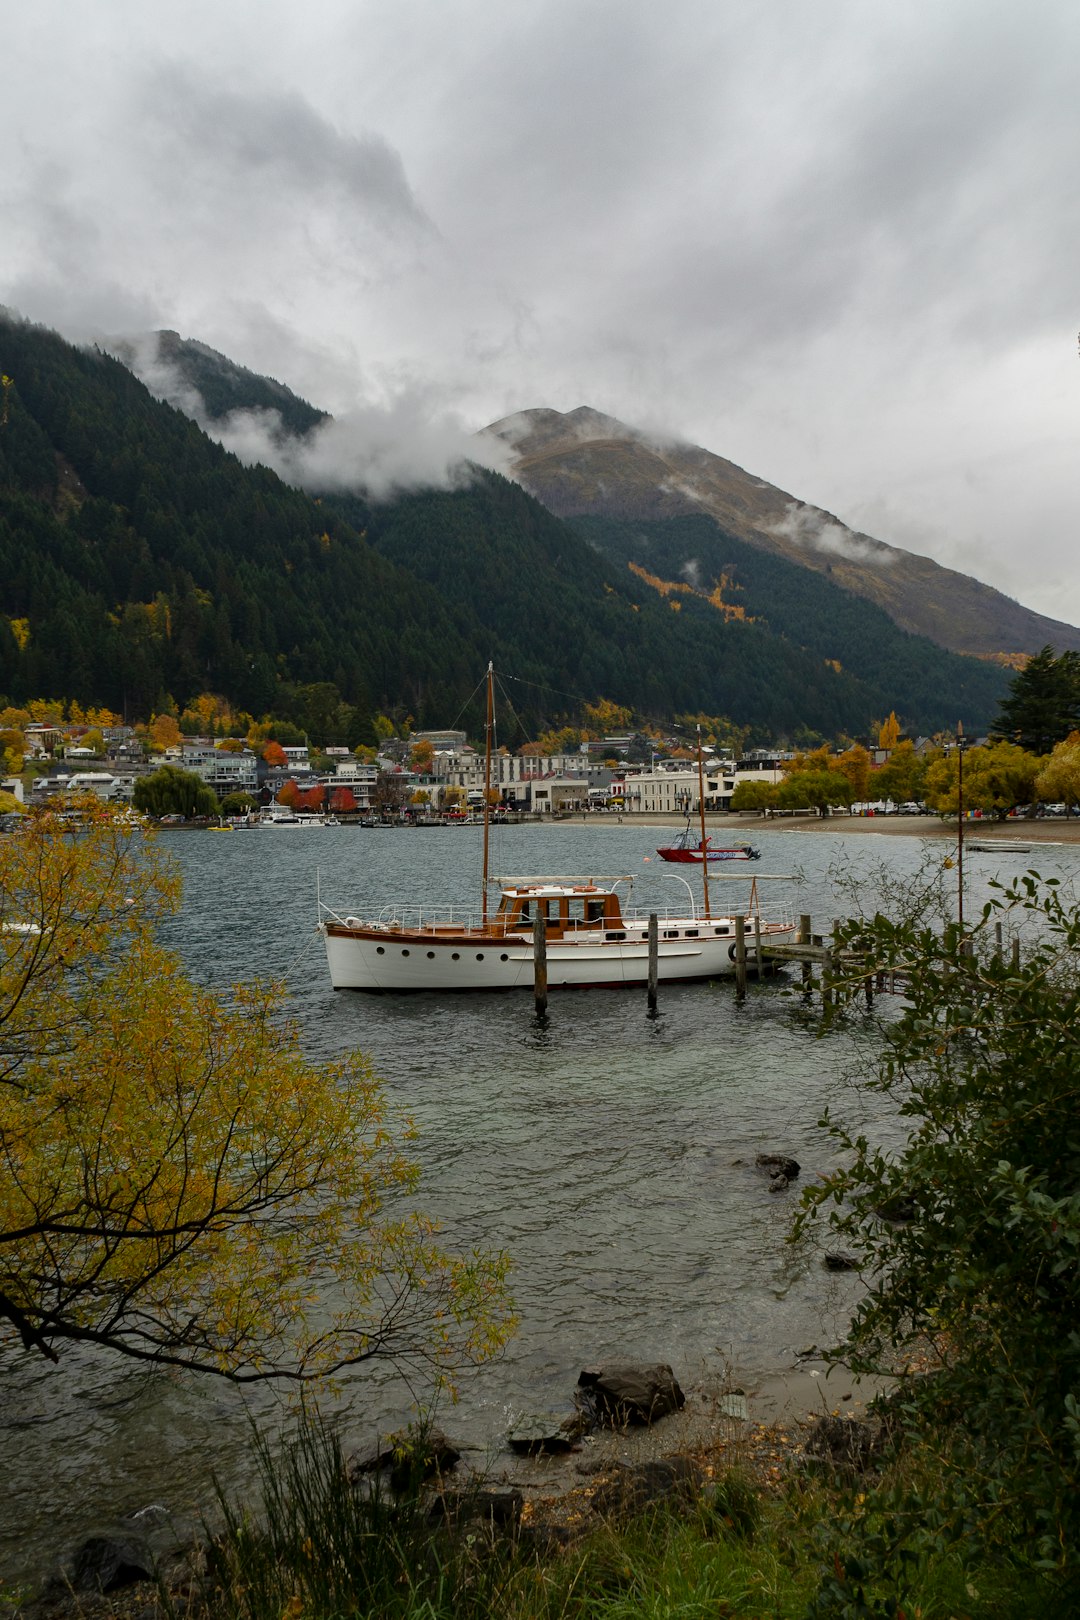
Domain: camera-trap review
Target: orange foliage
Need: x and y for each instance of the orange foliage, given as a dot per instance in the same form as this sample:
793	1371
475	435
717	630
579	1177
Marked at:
677	588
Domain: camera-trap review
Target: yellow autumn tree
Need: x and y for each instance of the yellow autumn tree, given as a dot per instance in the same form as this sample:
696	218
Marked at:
854	763
178	1183
1059	778
889	732
164	733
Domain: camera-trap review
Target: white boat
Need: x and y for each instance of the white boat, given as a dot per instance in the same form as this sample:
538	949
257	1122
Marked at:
589	938
994	846
278	816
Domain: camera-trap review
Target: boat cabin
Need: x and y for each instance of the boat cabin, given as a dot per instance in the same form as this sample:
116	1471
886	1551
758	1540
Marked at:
563	906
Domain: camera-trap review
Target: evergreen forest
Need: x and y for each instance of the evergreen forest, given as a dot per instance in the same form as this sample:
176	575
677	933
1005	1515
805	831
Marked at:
143	564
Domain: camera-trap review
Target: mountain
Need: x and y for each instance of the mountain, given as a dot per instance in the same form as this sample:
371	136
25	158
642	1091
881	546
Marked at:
584	463
183	370
143	562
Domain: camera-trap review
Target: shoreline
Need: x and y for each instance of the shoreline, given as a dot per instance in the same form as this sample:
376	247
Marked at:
1052	830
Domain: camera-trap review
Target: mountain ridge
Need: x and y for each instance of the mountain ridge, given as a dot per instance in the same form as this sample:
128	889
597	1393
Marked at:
144	564
583	463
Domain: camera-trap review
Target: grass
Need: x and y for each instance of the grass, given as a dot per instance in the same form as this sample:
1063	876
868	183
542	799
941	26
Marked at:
316	1548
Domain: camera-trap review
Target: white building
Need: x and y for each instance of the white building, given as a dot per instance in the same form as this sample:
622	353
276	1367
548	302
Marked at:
223	769
663	791
103	783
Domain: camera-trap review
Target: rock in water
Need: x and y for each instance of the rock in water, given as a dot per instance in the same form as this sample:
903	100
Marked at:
628	1394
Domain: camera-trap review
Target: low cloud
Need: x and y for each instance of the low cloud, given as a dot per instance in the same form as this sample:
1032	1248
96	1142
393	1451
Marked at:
815	530
377	450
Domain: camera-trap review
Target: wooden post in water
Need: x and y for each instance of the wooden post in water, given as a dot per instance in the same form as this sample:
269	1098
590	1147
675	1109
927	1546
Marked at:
540	960
654	958
827	972
805	929
759	965
740	957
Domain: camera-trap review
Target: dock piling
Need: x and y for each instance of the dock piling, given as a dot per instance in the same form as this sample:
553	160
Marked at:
540	982
654	958
740	958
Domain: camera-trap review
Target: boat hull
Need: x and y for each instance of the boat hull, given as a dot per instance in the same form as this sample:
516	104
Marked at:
692	857
382	960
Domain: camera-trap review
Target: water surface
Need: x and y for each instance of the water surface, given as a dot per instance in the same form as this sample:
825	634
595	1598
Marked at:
609	1153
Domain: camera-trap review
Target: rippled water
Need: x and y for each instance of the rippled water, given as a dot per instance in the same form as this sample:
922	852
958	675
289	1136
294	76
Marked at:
610	1154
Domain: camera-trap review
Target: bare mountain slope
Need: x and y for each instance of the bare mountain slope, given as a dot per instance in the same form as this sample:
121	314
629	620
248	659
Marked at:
583	462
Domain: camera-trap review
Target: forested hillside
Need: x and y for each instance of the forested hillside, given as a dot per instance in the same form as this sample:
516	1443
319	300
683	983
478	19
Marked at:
765	596
584	464
142	561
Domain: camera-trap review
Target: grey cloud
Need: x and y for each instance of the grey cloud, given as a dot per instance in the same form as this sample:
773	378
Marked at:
277	143
835	244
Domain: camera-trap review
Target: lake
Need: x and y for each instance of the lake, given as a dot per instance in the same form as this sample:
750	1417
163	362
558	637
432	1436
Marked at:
612	1155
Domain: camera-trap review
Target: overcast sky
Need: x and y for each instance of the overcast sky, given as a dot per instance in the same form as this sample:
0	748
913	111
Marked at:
835	241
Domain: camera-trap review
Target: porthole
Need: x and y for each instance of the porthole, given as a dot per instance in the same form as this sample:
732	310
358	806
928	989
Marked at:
380	950
404	953
431	956
455	956
479	956
504	957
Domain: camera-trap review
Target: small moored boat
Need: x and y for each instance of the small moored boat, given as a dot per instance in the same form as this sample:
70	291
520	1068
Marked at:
686	849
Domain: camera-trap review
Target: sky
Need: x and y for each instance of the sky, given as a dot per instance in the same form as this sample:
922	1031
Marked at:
835	242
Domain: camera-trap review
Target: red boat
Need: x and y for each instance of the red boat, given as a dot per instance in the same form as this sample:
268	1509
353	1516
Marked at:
686	848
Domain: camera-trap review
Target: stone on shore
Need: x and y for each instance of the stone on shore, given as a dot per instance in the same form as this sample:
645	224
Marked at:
619	1395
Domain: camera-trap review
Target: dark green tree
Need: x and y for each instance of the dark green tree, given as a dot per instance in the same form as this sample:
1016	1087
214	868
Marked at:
1043	703
172	792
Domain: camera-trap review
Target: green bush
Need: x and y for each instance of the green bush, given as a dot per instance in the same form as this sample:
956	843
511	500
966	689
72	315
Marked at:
971	1230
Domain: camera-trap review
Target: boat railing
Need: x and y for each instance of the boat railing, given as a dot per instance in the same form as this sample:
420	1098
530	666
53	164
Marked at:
773	916
414	919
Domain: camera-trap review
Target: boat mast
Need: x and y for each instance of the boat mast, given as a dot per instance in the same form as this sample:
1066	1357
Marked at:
488	728
701	809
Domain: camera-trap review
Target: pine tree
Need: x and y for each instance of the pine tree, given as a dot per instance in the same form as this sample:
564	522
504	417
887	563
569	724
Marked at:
1043	705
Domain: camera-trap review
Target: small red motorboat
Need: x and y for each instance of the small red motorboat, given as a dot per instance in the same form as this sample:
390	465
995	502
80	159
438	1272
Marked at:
686	847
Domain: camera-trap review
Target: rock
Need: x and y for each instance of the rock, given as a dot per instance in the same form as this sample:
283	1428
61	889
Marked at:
842	1442
640	1485
499	1508
421	1458
411	1458
780	1170
628	1394
540	1436
899	1208
108	1562
840	1260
